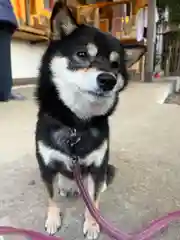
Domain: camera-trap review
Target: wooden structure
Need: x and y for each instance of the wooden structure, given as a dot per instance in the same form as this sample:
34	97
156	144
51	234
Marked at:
33	17
116	17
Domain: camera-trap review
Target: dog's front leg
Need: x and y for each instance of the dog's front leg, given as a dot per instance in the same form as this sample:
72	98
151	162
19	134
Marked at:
91	228
53	220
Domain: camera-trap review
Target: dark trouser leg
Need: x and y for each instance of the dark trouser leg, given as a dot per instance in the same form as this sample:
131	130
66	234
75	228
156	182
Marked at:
5	65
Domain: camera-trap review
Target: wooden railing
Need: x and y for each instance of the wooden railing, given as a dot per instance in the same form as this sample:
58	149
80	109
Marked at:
171	54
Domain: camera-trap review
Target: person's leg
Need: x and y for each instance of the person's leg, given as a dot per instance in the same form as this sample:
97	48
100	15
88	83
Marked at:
6	32
5	65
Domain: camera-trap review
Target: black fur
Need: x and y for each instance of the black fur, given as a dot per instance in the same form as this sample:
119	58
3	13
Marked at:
56	120
66	47
50	104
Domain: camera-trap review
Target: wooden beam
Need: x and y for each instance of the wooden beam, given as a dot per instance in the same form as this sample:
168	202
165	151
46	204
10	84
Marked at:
149	66
103	4
32	30
30	34
27	36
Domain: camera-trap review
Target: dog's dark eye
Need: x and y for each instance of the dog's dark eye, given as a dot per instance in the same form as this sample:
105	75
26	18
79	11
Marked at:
114	65
82	54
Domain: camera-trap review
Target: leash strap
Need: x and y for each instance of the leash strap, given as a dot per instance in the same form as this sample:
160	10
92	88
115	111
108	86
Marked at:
31	235
155	226
105	226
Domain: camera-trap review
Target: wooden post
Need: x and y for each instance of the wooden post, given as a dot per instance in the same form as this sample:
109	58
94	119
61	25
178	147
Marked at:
27	10
149	65
96	18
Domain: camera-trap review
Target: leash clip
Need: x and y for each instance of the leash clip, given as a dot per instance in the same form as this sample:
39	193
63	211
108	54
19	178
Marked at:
74	139
72	142
75	160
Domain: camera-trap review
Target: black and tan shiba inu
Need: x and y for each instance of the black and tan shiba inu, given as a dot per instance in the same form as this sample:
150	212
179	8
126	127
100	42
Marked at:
82	72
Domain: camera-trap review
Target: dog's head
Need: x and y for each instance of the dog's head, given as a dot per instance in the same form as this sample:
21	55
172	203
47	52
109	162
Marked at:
87	68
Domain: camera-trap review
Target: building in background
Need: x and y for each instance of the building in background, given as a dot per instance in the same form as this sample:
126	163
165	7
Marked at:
33	18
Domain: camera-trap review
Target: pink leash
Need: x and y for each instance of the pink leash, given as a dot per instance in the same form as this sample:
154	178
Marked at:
31	235
111	231
155	226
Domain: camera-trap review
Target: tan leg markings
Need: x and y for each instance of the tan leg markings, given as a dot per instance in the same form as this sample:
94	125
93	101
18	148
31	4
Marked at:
53	221
91	228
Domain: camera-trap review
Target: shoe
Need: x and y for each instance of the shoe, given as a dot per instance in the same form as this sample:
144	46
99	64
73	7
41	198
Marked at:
16	96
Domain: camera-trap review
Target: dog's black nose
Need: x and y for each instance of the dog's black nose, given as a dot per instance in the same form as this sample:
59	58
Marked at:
106	81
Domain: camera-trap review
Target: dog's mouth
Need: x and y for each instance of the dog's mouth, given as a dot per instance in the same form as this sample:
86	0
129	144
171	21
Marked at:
100	94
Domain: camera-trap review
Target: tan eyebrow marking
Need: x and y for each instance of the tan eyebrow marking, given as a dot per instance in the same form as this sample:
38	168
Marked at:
92	49
114	56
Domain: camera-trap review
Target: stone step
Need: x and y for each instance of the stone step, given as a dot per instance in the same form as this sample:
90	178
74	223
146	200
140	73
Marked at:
24	81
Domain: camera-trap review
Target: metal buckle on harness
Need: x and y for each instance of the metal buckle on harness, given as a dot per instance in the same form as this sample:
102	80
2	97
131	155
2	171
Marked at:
74	160
74	139
72	142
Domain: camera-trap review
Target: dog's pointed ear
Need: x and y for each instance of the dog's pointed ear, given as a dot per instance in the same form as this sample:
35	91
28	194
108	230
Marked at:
62	23
133	53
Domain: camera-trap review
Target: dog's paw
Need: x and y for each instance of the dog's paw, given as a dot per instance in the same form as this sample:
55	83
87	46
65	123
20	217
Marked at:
91	230
53	221
69	193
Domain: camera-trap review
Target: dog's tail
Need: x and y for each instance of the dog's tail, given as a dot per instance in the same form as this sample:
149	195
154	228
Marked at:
111	171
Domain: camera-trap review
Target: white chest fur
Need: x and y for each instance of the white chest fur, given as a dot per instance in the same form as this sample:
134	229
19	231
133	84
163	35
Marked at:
95	157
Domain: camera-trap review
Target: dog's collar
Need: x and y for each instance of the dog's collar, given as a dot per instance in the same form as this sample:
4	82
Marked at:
78	125
52	120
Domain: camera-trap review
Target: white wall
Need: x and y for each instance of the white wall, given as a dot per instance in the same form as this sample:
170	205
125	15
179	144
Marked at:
25	59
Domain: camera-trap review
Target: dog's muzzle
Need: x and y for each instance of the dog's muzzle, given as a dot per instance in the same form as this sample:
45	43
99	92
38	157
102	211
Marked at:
106	82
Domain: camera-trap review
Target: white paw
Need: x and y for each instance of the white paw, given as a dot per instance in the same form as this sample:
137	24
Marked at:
53	221
91	230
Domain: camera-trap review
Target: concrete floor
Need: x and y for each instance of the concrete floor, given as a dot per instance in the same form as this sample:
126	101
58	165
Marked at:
145	147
